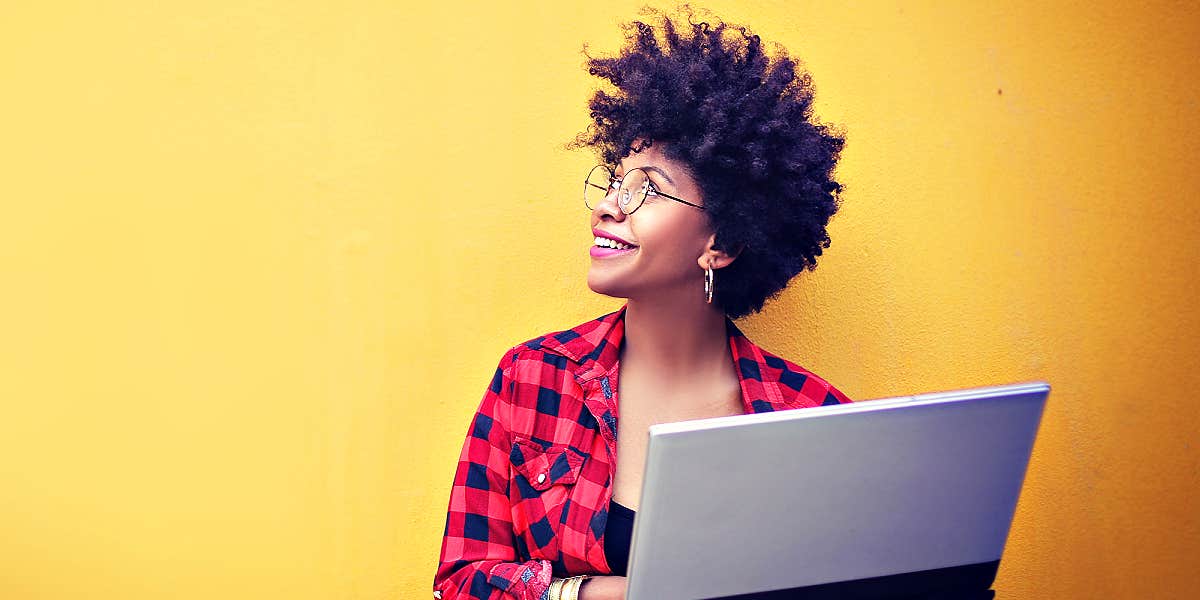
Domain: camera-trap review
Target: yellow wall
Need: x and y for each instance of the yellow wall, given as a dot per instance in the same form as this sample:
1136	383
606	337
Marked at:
259	260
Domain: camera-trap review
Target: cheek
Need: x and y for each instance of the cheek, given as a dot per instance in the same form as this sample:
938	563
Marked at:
677	239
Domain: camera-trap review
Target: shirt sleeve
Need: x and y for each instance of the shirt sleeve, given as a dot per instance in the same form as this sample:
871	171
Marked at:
479	557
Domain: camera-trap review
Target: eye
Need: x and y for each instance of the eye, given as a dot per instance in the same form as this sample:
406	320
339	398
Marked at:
650	189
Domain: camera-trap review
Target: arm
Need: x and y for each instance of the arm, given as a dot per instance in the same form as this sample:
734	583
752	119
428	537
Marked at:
603	587
478	557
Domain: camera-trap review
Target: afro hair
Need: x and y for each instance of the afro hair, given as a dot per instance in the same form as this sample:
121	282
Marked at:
742	121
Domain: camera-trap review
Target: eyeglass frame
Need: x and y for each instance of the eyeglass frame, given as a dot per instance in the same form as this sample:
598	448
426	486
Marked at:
613	177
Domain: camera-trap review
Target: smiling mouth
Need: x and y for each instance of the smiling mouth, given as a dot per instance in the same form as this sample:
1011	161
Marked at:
603	242
605	248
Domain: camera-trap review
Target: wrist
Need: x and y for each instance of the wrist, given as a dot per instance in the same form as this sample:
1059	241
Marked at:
566	589
583	585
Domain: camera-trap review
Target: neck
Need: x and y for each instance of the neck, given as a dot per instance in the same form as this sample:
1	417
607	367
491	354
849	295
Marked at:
676	339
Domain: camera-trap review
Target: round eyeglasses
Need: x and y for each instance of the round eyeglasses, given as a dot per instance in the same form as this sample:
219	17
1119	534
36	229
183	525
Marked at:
632	189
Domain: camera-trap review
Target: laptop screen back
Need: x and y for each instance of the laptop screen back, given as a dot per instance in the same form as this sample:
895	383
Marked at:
822	501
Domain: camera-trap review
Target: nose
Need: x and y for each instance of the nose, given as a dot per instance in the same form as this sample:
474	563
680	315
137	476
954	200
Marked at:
608	207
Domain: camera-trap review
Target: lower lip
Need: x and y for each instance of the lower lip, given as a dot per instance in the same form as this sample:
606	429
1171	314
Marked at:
602	252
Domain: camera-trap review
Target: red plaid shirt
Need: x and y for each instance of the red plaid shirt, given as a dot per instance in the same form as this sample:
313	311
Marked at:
530	498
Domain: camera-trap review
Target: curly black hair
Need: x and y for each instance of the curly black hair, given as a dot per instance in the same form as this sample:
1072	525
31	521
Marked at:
742	121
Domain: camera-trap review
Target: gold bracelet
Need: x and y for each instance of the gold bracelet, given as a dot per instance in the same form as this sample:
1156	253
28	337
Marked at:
576	583
566	589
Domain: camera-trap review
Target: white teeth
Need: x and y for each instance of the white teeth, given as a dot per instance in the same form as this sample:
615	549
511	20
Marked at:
607	243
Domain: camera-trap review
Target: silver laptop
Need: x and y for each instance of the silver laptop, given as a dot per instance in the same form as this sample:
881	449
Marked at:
877	499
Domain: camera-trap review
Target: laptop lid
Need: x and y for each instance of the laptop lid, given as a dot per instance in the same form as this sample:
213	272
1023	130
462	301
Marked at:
858	500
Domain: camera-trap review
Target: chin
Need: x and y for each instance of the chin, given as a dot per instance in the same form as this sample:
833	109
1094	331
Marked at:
604	286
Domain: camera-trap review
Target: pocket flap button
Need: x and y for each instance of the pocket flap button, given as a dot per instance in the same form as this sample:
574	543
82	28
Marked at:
541	478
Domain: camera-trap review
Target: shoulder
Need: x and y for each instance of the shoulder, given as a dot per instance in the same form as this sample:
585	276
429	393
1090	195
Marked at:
558	358
580	344
787	384
540	384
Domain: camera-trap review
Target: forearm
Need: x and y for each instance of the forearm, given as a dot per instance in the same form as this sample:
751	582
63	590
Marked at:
603	587
492	580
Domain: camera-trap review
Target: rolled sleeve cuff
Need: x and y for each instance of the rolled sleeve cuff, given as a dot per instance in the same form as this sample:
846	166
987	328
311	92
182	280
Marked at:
525	581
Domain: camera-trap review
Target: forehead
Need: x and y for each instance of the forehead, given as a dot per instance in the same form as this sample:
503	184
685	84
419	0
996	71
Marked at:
655	157
646	156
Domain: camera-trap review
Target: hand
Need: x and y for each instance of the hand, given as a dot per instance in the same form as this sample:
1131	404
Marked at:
603	587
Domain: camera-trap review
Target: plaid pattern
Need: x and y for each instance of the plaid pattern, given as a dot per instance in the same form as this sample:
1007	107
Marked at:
531	494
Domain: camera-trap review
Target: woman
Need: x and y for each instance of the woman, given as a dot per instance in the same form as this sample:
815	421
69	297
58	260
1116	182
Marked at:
719	193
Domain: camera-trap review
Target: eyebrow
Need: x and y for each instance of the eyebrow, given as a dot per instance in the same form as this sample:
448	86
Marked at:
656	170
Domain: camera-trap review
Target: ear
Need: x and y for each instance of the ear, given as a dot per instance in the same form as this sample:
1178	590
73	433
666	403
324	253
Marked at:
717	259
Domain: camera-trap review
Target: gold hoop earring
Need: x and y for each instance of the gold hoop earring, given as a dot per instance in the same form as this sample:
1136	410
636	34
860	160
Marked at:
709	284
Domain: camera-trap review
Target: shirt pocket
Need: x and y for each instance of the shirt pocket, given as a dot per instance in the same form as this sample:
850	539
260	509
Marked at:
543	478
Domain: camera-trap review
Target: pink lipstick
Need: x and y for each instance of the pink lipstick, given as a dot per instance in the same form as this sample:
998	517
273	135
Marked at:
606	245
602	252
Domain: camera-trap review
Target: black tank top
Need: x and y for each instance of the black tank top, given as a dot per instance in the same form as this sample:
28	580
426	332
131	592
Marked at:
618	534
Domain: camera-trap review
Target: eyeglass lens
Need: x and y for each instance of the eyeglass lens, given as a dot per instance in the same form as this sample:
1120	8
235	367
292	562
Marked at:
630	195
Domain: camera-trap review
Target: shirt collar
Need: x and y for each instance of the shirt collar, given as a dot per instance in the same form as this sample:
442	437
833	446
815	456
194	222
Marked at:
595	347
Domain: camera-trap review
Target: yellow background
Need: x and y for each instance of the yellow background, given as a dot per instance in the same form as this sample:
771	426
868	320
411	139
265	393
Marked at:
260	258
